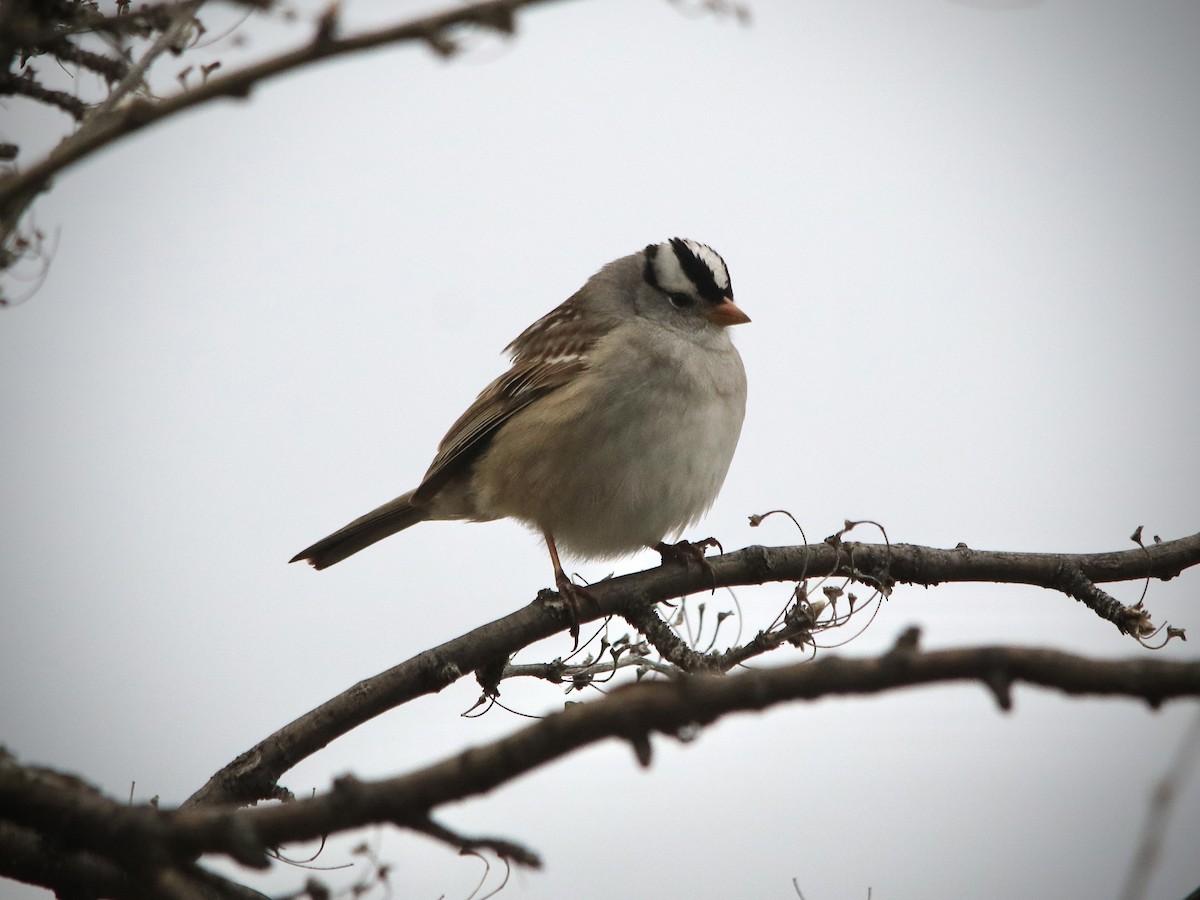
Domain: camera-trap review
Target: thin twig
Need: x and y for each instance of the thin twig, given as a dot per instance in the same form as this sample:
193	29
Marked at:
115	122
173	36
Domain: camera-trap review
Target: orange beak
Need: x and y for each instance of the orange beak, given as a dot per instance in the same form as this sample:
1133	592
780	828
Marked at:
727	313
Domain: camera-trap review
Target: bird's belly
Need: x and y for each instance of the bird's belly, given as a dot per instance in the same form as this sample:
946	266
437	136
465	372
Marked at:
611	481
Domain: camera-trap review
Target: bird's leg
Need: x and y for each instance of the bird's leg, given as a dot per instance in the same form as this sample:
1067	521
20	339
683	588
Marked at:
572	594
688	552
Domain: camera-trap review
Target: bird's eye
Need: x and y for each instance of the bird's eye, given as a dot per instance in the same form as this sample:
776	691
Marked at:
682	301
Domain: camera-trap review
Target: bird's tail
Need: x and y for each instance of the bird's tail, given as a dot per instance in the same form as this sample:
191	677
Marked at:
393	516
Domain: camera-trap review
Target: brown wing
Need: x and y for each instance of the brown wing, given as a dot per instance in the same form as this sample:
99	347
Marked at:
546	355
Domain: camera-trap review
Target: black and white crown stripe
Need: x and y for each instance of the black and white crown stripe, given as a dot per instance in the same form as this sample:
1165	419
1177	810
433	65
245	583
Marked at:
689	267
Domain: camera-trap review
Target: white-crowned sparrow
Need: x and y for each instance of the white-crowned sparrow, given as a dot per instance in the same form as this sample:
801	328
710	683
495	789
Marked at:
613	429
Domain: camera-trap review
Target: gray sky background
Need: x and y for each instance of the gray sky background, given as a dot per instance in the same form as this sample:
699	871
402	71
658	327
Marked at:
967	236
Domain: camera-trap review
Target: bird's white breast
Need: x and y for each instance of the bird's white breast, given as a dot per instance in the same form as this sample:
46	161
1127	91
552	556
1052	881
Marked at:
633	451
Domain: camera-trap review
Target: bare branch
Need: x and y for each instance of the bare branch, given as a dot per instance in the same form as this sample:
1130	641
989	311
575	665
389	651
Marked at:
255	774
502	847
63	833
674	650
110	67
36	858
27	87
111	123
158	845
172	36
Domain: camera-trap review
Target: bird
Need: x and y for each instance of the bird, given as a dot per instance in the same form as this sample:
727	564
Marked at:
612	431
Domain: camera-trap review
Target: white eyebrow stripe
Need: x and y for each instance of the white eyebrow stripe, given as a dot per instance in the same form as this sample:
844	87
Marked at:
669	273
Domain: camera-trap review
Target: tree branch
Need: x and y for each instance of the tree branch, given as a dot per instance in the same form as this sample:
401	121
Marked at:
255	774
675	707
27	87
172	36
30	856
18	190
162	843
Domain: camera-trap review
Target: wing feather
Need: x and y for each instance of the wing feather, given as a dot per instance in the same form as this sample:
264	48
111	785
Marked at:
546	355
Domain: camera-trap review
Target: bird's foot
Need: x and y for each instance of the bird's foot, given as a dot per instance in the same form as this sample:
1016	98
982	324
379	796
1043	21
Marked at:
573	596
689	553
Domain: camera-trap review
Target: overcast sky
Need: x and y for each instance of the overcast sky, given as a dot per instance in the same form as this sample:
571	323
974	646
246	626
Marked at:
967	234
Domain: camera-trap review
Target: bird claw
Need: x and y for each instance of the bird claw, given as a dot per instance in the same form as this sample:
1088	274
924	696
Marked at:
572	597
687	553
